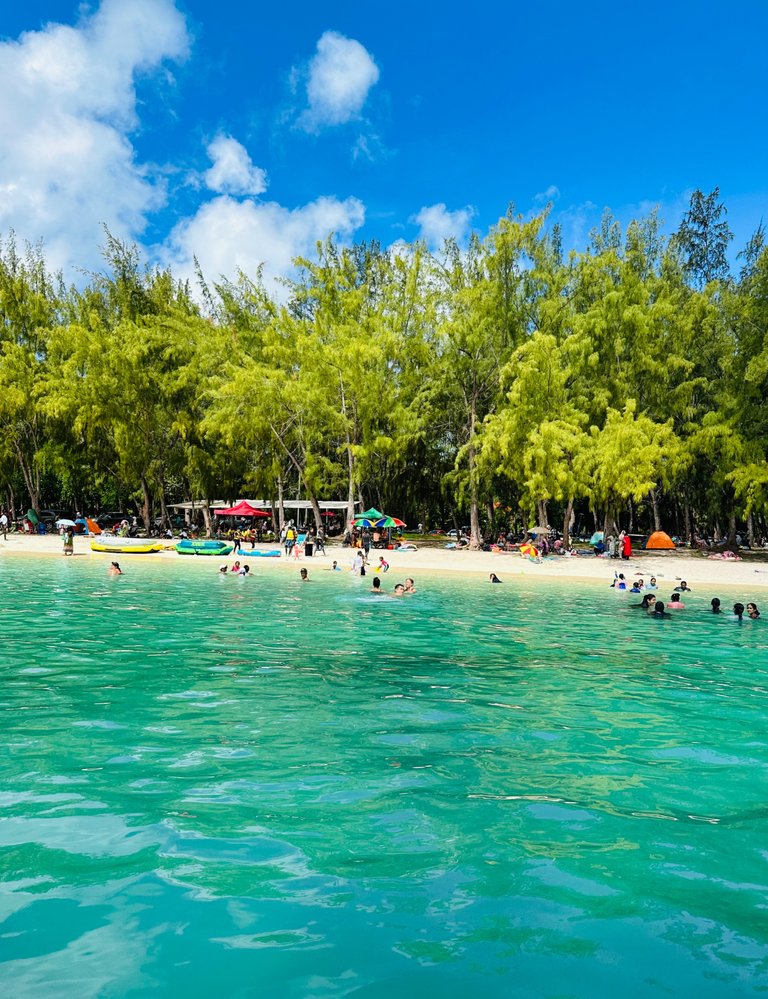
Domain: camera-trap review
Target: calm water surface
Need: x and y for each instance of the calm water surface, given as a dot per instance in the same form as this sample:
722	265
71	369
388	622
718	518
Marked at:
261	788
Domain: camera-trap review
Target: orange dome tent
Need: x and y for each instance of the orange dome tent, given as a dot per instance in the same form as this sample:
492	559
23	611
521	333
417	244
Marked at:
659	540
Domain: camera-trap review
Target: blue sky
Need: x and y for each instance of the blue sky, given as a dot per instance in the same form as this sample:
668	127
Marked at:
242	132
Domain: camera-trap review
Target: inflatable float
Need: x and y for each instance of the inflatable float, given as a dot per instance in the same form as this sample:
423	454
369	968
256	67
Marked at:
125	546
203	548
273	553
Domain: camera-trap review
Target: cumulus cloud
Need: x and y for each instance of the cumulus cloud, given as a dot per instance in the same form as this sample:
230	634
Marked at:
233	171
436	224
226	235
341	73
67	107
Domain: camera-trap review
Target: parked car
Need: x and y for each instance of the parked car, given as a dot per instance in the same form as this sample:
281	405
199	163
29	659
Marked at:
463	532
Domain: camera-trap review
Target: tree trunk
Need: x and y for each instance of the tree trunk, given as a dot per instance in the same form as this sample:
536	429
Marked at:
750	530
147	505
567	517
475	540
631	506
207	519
656	512
688	526
280	506
30	480
730	544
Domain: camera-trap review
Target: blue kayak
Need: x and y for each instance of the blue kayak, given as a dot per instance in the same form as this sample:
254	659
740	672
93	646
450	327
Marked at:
273	553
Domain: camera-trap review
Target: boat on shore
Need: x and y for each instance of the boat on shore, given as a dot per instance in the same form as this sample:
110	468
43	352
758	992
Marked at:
125	546
210	547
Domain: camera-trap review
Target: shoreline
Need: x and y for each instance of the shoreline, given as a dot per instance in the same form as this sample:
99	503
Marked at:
747	576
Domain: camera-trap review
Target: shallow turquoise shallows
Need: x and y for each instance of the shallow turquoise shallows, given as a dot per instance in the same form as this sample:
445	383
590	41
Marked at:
227	787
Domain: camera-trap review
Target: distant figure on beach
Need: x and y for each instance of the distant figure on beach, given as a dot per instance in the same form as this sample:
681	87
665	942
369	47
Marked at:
675	603
715	602
494	578
304	575
376	586
114	570
410	586
753	612
69	541
738	611
658	610
4	525
626	547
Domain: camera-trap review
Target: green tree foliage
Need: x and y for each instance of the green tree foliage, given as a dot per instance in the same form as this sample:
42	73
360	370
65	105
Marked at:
628	382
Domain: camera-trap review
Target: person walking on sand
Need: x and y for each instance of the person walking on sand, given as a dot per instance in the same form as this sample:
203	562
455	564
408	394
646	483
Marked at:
69	541
4	525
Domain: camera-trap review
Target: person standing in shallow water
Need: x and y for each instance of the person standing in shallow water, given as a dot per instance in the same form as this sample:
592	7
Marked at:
715	602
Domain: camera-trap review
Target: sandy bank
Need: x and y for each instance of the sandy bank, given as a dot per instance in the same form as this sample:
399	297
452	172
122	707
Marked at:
748	576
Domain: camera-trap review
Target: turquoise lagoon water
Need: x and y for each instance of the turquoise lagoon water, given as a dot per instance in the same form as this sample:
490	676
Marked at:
263	788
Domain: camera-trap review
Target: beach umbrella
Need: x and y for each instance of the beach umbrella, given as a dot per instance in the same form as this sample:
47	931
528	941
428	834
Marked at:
66	523
539	530
242	509
373	515
389	522
659	540
531	550
597	536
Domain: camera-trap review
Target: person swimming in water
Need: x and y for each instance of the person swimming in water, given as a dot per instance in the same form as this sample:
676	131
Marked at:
683	587
494	578
675	603
619	582
658	610
399	590
115	570
753	612
652	584
335	567
304	576
715	603
410	586
738	610
376	585
223	569
646	603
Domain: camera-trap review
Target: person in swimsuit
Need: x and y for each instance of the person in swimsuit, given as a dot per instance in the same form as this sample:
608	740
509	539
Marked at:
494	578
738	610
753	612
115	570
410	586
399	590
715	602
376	587
675	603
658	610
304	575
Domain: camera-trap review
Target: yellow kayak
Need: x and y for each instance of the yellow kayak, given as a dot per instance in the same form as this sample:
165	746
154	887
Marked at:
126	546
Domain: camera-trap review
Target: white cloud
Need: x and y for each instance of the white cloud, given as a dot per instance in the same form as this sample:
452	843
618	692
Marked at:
233	171
67	106
436	224
227	235
341	73
552	193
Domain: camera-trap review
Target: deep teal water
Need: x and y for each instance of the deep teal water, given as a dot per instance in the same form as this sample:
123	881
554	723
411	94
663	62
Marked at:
262	788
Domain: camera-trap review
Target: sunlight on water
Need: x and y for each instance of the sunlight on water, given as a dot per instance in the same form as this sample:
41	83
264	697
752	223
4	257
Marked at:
257	787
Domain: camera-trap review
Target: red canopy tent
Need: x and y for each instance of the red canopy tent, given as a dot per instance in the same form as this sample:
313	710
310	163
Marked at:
242	509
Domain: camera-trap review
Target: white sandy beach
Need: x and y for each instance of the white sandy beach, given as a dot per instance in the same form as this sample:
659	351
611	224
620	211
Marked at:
749	576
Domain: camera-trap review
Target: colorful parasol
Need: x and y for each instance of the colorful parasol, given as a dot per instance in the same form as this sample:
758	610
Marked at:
531	550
